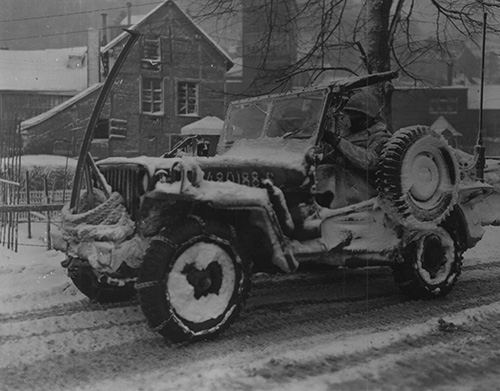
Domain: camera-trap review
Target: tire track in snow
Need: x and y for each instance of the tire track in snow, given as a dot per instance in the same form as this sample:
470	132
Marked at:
91	330
76	321
37	348
123	352
321	297
247	370
433	359
274	289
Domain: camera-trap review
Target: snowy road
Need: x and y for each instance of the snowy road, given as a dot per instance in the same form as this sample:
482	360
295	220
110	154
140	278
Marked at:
336	329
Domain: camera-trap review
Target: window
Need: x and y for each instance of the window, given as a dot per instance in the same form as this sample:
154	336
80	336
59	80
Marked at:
102	129
151	55
152	96
117	128
187	98
443	106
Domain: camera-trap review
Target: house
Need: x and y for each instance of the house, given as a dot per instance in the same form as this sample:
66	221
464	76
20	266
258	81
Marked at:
34	81
438	107
453	112
174	75
491	115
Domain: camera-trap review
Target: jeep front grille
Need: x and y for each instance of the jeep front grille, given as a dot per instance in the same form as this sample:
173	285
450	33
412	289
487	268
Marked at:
126	179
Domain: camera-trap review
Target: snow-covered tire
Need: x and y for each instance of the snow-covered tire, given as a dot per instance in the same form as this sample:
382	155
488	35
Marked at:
430	264
417	179
87	282
194	280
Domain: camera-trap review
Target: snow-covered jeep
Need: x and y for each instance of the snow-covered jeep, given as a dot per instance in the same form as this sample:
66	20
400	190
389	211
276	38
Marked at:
186	233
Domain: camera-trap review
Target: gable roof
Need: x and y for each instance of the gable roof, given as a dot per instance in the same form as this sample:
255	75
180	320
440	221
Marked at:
49	70
144	20
442	124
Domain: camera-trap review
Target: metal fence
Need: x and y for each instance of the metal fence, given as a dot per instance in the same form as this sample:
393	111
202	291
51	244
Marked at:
10	187
38	197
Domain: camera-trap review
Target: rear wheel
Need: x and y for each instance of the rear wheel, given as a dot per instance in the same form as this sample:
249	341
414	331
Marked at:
431	264
194	280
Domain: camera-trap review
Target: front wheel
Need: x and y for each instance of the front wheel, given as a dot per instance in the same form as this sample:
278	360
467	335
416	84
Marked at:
193	281
100	291
431	264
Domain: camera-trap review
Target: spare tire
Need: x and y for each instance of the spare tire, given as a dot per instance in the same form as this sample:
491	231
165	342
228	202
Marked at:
417	179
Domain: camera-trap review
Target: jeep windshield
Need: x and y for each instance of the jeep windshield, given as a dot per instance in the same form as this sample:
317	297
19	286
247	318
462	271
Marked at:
281	116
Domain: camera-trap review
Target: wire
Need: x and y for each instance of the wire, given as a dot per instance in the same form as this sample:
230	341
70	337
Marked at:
73	13
45	35
76	31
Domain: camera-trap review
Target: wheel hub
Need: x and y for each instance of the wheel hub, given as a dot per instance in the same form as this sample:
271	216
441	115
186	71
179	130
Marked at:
204	281
426	178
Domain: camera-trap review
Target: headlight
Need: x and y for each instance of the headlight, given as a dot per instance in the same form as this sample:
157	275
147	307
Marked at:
144	181
162	176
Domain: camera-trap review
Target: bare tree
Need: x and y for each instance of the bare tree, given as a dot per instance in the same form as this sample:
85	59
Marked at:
343	37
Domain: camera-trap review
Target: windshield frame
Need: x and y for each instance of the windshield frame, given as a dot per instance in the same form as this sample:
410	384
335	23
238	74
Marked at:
226	141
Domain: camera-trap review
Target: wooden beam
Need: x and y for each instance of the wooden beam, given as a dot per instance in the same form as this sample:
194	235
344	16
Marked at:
31	208
9	182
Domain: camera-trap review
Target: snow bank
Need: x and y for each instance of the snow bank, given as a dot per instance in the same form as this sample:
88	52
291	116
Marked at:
33	278
50	162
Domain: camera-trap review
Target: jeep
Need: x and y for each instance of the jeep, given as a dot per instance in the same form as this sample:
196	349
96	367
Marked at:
186	233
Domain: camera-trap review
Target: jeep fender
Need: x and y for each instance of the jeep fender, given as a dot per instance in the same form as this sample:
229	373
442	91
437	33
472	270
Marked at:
477	210
232	201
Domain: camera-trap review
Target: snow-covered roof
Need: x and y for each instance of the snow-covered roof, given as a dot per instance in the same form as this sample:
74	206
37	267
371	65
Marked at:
442	124
491	97
57	70
48	161
57	109
144	19
237	70
207	126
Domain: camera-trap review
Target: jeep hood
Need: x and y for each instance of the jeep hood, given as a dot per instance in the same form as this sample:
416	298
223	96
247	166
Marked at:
246	162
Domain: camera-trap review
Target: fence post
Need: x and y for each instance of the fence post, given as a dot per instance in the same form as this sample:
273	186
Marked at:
28	202
47	199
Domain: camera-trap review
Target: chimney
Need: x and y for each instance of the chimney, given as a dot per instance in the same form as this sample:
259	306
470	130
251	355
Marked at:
449	73
129	13
104	39
92	57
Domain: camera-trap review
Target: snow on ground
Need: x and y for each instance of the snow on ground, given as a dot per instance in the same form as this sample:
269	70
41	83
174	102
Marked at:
33	277
486	250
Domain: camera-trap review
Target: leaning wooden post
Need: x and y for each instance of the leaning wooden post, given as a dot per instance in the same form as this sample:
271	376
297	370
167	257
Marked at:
28	202
47	200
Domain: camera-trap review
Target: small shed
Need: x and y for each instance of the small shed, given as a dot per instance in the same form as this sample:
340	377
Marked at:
209	128
443	127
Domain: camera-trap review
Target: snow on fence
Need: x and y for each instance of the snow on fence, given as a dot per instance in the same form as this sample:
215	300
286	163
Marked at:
38	197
